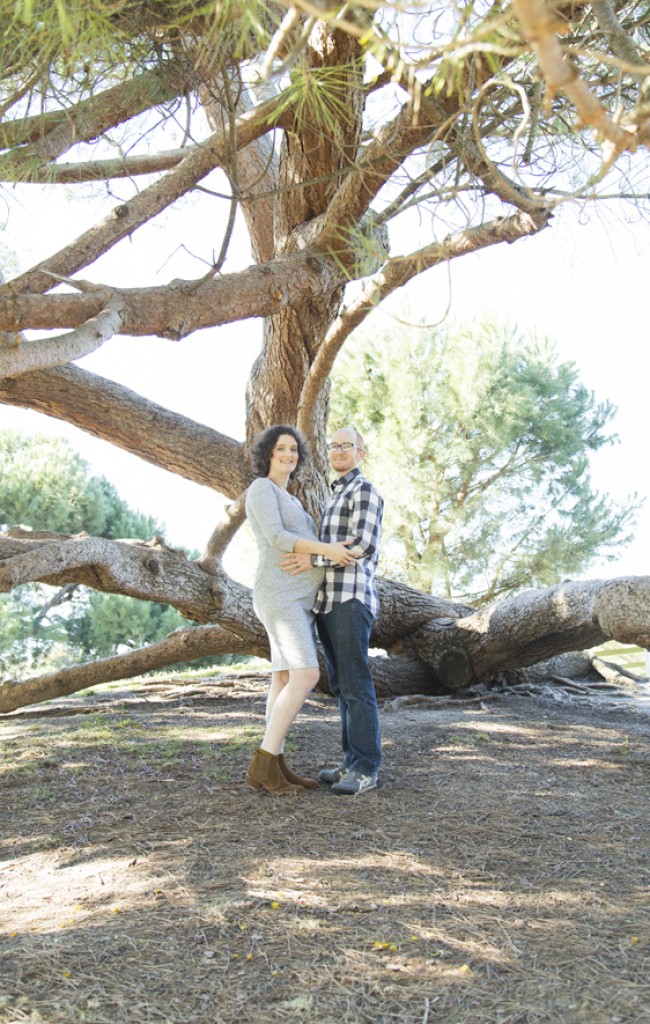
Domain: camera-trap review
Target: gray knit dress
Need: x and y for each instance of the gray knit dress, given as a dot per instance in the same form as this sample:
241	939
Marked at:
283	603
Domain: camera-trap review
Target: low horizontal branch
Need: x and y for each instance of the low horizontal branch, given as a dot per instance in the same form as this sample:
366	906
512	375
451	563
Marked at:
533	626
147	571
182	645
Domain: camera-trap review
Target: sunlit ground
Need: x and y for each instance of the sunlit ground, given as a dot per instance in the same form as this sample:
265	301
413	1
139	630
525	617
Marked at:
498	875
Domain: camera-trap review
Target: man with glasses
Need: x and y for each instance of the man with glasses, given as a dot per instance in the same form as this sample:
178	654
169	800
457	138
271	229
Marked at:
345	607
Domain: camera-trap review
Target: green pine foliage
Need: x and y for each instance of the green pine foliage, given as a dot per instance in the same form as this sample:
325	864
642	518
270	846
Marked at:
480	440
111	623
46	485
28	640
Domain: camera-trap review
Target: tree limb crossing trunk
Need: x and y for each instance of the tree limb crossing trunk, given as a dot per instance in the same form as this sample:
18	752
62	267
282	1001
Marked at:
532	627
431	645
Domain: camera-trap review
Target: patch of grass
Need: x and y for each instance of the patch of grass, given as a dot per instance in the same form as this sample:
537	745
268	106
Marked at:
95	727
461	741
622	749
109	728
244	737
220	773
628	656
125	722
212	672
43	793
18	773
45	842
169	749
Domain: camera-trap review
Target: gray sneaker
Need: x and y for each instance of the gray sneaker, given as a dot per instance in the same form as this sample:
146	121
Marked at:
331	775
354	783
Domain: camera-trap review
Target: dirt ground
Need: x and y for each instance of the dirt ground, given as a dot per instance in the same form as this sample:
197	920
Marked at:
498	875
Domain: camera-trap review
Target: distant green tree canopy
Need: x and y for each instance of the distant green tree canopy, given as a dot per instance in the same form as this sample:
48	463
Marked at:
46	485
480	440
106	617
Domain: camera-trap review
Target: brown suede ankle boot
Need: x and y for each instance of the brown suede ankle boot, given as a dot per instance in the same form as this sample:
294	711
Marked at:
264	772
290	776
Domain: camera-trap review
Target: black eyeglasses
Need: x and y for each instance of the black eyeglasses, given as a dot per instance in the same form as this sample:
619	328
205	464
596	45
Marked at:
347	446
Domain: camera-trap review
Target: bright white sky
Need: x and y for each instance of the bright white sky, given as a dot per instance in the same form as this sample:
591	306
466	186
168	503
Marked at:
585	285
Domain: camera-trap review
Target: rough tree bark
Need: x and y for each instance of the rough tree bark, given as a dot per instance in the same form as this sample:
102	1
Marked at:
319	160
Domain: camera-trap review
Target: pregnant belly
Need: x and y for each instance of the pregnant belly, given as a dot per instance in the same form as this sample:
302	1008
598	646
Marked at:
274	583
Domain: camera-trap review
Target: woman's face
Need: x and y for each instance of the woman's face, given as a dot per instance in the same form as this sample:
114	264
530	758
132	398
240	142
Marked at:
284	457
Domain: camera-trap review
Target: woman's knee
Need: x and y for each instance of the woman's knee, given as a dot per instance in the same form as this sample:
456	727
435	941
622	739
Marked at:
305	678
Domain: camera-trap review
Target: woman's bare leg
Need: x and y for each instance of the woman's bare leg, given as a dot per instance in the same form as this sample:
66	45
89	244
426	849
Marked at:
286	704
278	682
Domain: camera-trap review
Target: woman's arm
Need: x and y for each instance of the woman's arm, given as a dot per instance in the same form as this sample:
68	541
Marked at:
338	553
263	511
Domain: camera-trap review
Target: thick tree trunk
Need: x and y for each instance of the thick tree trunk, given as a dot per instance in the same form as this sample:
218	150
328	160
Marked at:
532	627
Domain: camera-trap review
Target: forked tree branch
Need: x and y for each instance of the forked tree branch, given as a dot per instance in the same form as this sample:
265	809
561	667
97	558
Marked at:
65	348
396	273
127	217
621	42
541	26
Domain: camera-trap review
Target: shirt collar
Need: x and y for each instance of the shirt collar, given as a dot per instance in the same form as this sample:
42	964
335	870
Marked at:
343	481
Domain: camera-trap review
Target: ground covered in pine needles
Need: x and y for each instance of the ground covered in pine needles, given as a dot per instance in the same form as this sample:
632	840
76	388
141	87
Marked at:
498	875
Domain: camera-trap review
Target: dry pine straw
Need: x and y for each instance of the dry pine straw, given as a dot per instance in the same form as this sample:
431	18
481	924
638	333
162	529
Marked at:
498	875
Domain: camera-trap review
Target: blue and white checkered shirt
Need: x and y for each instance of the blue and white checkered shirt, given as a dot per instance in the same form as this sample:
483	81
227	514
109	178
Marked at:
354	512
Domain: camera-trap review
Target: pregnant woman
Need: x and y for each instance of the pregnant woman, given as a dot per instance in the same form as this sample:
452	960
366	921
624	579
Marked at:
284	603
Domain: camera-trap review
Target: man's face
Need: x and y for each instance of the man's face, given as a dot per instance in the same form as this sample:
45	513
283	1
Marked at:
343	461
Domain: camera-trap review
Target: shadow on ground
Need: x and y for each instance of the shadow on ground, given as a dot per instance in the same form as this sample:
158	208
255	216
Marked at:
498	875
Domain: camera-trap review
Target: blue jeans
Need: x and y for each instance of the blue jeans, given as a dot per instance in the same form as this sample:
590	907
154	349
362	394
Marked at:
345	635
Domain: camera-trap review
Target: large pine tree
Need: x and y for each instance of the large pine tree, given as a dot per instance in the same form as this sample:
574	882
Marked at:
322	127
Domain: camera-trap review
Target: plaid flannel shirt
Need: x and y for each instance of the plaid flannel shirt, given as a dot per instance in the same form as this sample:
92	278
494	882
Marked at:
354	512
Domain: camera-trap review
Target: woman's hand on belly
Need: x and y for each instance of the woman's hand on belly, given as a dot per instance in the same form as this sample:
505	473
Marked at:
294	563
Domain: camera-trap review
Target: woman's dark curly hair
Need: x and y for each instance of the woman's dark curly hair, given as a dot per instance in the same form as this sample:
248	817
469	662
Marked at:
264	443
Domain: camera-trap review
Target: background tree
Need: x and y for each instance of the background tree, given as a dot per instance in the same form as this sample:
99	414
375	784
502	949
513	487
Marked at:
482	440
46	486
29	640
323	130
109	622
